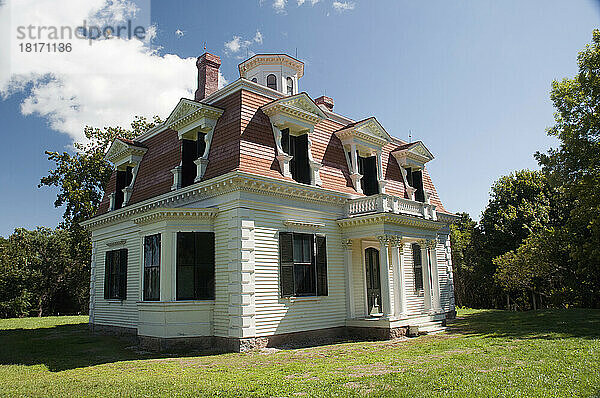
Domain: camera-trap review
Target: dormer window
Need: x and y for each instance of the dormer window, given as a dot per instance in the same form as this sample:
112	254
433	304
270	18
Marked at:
293	120
411	158
195	124
272	81
367	167
124	178
363	146
254	80
297	148
290	86
126	156
414	178
191	150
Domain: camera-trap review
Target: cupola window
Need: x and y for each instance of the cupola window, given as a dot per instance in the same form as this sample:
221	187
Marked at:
272	81
290	86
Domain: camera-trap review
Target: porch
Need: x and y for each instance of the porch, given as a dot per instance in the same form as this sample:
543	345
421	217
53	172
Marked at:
392	275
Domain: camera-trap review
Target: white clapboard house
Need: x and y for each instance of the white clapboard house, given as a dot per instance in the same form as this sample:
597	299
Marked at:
256	215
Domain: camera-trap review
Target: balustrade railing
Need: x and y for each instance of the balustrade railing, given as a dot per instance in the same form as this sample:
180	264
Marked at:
384	203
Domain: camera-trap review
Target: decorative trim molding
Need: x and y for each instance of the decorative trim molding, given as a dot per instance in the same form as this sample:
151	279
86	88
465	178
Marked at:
390	218
303	224
115	243
162	214
230	182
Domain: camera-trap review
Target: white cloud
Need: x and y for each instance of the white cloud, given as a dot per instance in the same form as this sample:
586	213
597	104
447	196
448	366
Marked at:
279	6
258	37
102	84
222	81
341	6
312	2
238	44
179	33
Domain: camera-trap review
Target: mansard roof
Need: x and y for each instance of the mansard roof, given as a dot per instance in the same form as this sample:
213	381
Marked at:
243	141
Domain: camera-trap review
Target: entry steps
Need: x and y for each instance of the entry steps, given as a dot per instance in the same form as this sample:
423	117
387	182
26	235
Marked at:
430	327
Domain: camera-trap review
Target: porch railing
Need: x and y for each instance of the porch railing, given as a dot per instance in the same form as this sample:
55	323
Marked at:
384	203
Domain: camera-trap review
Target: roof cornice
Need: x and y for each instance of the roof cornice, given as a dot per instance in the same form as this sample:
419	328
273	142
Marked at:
230	182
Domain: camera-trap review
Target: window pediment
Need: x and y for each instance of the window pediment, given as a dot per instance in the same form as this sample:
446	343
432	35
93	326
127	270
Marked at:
413	155
368	133
189	115
125	153
298	112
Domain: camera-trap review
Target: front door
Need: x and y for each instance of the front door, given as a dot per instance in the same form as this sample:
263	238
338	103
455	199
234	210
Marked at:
373	284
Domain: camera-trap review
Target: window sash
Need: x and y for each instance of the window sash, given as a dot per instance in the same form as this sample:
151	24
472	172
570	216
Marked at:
115	274
417	267
151	285
303	264
195	277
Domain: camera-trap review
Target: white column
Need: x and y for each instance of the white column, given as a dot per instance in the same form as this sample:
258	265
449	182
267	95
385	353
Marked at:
435	277
399	283
350	311
426	277
384	276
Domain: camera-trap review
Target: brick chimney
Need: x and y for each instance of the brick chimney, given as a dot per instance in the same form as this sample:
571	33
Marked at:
208	75
327	101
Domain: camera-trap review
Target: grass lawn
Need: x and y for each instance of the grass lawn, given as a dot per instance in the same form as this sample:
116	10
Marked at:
551	353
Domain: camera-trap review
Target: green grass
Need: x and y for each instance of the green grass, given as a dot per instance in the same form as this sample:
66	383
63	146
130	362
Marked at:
552	353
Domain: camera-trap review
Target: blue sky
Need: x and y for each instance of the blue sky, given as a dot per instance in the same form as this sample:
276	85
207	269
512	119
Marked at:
469	78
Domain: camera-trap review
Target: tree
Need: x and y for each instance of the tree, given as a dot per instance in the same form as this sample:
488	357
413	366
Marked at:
519	205
81	177
574	168
464	262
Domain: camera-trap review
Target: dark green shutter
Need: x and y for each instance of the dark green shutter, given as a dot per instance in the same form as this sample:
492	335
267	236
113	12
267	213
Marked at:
122	274
285	141
107	271
321	263
286	262
417	180
301	163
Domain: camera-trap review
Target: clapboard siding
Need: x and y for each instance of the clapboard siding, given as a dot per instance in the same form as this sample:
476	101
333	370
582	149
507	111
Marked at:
117	312
275	315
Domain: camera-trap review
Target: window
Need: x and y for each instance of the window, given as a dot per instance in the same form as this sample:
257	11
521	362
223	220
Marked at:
303	264
190	151
417	267
124	178
254	80
115	274
367	166
290	86
415	180
272	81
195	266
152	267
297	147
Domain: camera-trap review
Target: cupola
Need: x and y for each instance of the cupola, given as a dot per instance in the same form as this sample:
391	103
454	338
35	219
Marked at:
279	72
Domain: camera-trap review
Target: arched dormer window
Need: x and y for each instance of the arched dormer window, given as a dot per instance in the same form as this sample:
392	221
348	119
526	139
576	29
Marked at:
272	81
290	86
254	80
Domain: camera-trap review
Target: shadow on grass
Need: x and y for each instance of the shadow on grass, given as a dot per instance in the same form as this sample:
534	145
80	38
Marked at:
541	324
66	347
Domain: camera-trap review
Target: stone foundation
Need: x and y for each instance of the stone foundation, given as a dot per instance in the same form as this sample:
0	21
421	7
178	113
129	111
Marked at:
285	340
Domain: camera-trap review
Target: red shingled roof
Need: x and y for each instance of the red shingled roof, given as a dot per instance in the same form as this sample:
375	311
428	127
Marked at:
243	140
